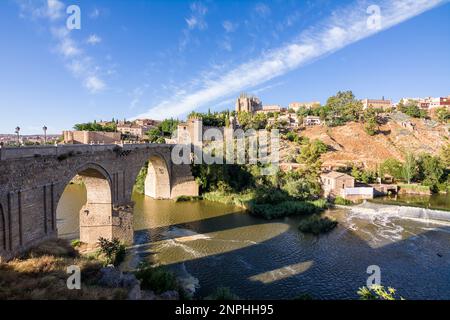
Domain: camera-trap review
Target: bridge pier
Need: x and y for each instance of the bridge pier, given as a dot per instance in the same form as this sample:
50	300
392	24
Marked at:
106	221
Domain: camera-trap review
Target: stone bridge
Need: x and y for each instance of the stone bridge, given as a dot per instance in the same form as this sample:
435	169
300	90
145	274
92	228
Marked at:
32	180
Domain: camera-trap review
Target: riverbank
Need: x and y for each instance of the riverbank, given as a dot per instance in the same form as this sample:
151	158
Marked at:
269	205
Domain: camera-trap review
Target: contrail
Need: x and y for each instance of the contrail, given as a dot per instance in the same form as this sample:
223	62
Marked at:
345	26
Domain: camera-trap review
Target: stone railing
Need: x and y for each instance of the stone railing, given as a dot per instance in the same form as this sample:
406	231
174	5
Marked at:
12	153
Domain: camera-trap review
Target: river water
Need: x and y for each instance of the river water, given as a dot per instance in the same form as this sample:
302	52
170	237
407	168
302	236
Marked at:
209	245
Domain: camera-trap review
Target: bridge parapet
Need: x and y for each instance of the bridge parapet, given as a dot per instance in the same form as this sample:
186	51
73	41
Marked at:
14	153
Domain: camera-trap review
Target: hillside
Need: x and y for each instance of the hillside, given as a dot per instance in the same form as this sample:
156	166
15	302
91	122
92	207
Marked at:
350	143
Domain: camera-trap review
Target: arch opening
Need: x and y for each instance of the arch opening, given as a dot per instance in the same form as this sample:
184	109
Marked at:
84	210
157	181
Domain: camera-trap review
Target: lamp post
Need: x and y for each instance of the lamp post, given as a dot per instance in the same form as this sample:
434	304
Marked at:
45	134
18	135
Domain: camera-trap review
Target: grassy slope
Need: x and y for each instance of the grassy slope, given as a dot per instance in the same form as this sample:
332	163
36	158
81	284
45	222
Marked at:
42	274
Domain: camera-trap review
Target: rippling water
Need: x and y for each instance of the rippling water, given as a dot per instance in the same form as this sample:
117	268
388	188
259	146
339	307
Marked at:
210	245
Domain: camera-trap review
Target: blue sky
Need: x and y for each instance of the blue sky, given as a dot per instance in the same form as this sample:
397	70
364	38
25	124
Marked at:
165	58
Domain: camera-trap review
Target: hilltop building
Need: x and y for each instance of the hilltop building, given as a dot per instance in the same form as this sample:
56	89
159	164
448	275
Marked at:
89	137
190	132
132	129
376	104
311	121
246	103
428	103
272	108
308	105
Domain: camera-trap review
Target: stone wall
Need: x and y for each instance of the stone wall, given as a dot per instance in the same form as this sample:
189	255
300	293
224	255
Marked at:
87	137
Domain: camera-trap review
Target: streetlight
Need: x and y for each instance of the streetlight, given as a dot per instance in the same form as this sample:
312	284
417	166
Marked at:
18	135
45	134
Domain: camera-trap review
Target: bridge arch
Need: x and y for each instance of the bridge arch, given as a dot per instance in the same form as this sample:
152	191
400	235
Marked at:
95	216
157	182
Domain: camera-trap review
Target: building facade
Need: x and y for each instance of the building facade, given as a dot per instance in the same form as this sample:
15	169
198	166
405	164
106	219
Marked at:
334	183
133	129
311	121
308	105
89	137
272	108
246	103
376	104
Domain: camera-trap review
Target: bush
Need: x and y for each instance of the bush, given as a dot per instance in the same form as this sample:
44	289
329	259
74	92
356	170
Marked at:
342	201
139	185
75	243
377	292
222	293
316	225
287	208
157	279
112	250
187	198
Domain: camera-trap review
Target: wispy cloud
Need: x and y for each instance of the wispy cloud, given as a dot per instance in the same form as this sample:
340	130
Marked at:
136	95
343	28
51	9
229	26
94	14
196	20
93	39
262	10
78	62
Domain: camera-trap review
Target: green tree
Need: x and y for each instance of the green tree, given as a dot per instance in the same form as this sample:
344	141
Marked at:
341	108
409	167
443	114
431	171
371	121
310	152
445	155
392	167
411	108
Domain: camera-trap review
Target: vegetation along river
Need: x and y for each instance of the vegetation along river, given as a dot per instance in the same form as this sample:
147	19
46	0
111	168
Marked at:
210	245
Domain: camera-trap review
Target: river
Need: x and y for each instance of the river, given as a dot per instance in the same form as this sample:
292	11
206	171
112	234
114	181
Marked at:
209	245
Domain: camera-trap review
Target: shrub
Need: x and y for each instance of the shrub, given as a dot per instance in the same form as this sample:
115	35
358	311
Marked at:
377	292
286	208
158	279
222	293
75	243
112	250
342	201
187	198
316	225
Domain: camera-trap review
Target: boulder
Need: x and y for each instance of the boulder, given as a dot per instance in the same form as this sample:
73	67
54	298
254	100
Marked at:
110	277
